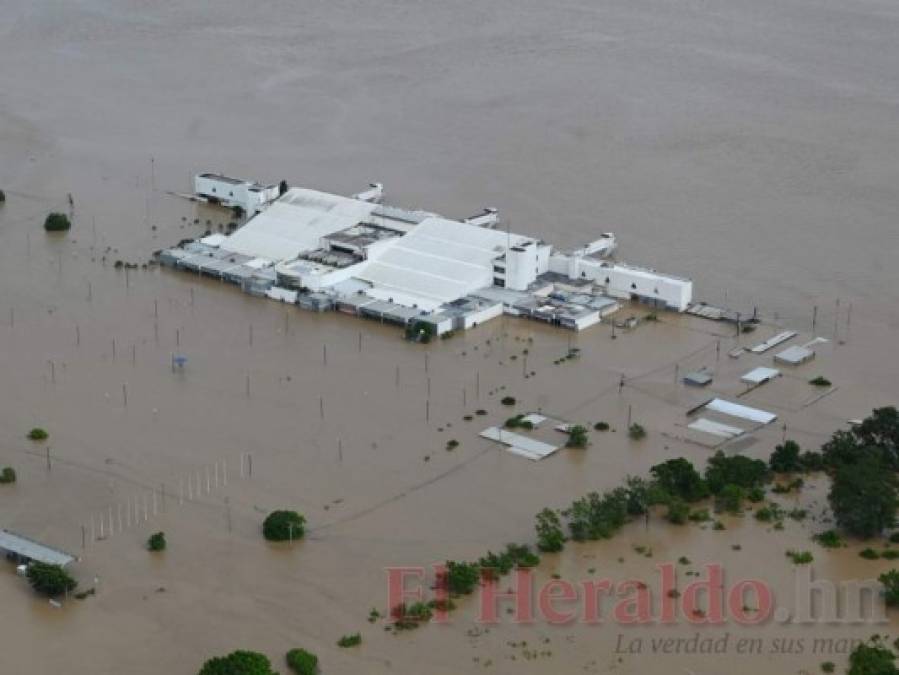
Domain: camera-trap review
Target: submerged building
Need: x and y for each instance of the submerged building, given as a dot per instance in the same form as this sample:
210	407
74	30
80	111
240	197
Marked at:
325	251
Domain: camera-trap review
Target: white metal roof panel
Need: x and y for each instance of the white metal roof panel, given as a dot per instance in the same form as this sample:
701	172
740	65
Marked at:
759	375
715	428
773	341
518	444
741	411
25	547
296	223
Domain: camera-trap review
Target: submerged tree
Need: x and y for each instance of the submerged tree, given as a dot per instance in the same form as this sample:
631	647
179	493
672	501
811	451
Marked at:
50	579
863	495
238	663
57	222
284	526
550	535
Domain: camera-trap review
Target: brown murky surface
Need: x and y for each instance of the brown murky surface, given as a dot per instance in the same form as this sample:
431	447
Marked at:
730	143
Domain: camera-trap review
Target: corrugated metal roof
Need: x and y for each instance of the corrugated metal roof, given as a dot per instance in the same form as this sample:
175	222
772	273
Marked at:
296	223
741	411
28	548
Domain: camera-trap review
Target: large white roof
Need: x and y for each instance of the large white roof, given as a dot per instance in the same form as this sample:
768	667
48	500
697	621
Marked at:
296	223
439	261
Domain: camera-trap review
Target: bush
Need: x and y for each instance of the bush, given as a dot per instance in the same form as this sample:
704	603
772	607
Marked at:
57	222
8	475
869	554
38	434
730	498
238	663
353	640
601	426
800	557
636	432
829	539
678	511
284	526
577	437
50	580
508	400
550	536
460	578
890	581
420	332
302	662
785	458
2	196
156	542
819	381
872	659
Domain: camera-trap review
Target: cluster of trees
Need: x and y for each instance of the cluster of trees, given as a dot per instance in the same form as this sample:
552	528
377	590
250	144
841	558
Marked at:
872	658
242	662
862	462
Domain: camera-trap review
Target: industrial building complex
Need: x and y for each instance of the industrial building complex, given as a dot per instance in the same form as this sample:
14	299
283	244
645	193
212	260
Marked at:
354	254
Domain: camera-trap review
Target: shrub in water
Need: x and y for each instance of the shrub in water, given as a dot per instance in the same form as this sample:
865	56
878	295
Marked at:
284	526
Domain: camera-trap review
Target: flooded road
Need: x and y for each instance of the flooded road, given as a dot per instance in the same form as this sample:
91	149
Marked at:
751	148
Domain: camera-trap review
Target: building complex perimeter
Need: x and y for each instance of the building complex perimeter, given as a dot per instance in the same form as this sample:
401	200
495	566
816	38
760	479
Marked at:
324	251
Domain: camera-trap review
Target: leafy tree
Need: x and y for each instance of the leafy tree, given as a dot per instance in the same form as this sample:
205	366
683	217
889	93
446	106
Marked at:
50	579
890	581
550	536
678	478
302	662
508	400
872	659
730	498
284	526
2	196
57	222
863	495
842	448
723	470
283	187
8	475
460	578
785	458
156	542
238	663
881	429
577	437
597	516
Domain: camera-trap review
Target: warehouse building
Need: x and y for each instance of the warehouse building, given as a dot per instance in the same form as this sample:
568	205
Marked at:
404	266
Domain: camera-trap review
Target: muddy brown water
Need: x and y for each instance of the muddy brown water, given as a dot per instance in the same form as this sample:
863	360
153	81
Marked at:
748	147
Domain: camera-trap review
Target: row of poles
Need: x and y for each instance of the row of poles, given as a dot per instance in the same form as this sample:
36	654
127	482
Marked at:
140	508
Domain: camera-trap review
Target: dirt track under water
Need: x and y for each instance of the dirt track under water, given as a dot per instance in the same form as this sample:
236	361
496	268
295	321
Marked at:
750	148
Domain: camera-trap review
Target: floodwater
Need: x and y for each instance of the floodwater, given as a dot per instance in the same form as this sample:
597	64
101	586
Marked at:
750	146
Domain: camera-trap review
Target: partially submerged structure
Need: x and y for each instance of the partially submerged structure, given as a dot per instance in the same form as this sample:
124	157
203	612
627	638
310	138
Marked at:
325	251
22	550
